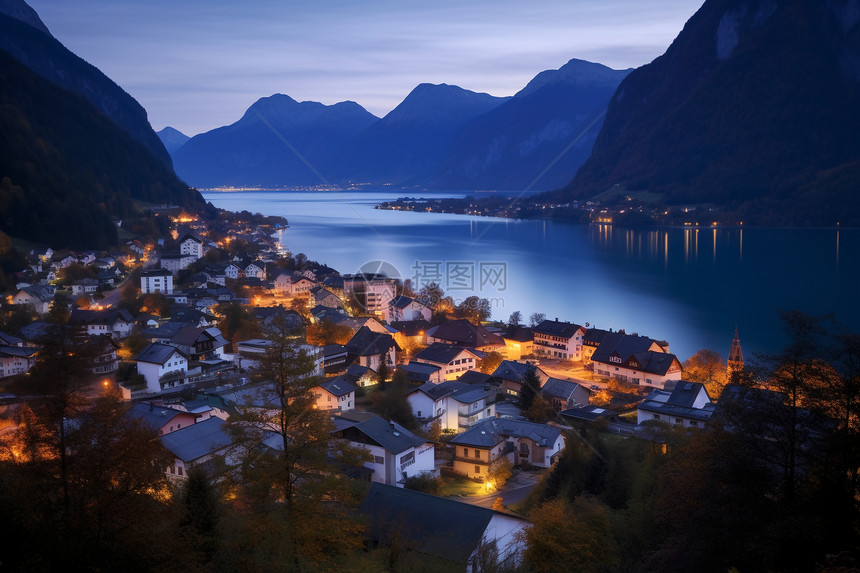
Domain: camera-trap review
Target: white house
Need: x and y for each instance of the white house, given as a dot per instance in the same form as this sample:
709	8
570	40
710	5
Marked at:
37	297
458	406
335	394
156	281
560	340
453	360
403	308
195	445
374	292
191	245
686	404
396	452
16	359
162	366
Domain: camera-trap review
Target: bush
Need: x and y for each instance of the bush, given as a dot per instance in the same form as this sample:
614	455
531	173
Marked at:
426	483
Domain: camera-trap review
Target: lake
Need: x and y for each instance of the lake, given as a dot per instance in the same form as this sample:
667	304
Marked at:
689	286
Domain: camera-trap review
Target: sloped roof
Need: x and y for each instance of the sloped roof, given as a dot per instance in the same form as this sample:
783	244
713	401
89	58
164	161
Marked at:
594	336
340	386
685	393
157	353
197	440
510	370
389	435
411	327
419	370
492	431
562	389
442	353
152	415
365	342
655	362
474	377
401	302
557	328
519	334
9	340
622	345
445	528
463	333
588	413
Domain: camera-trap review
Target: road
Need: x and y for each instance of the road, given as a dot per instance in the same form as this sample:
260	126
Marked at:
513	492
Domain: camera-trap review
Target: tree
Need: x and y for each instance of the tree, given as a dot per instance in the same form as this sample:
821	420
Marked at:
326	332
500	471
392	404
540	410
199	518
536	318
708	368
474	309
490	362
530	387
515	318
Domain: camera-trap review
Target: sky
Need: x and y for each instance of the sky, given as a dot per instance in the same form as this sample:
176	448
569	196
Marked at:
199	64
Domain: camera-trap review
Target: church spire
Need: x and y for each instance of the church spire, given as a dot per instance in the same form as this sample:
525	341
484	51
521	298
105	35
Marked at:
735	363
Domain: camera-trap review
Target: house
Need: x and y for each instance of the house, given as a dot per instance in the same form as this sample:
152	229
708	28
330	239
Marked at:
421	373
37	297
523	443
101	351
292	285
686	404
156	281
402	308
441	528
635	359
231	271
175	262
509	376
465	334
559	340
35	332
457	405
452	360
114	322
326	298
410	332
336	394
519	342
590	341
397	453
564	394
199	343
16	358
368	348
586	416
192	245
85	286
160	419
255	270
162	366
197	445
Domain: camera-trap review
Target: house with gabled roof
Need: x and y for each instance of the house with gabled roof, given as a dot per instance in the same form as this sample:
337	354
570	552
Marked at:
509	375
397	453
162	366
463	333
519	342
197	445
523	443
421	373
681	403
160	419
200	343
452	360
16	358
37	297
324	297
456	405
635	359
336	393
368	348
442	529
559	340
410	332
84	286
564	394
590	341
403	308
191	244
115	322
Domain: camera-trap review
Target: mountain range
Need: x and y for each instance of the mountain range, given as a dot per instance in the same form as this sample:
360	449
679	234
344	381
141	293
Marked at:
755	108
440	136
76	152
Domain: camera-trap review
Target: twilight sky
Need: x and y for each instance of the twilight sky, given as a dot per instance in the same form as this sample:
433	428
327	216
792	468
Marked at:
198	64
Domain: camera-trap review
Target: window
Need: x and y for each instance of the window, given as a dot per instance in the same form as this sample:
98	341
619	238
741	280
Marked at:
466	452
478	454
378	460
179	470
656	416
418	413
477	469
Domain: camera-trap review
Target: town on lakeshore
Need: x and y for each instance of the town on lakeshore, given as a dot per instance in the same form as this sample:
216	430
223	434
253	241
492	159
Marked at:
215	327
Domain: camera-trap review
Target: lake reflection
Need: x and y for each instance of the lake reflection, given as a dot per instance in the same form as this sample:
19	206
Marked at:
690	285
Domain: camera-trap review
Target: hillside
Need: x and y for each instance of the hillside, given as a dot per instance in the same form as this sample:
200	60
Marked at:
755	107
66	171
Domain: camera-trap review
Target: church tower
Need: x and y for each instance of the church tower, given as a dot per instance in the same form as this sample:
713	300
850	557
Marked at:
735	363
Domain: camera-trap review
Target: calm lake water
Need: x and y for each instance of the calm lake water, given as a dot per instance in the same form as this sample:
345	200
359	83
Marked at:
686	285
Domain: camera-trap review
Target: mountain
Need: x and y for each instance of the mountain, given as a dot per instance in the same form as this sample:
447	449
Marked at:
25	37
406	146
66	170
172	138
277	142
755	107
536	139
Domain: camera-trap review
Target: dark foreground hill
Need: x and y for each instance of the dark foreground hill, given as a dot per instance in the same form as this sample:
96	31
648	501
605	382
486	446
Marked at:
755	107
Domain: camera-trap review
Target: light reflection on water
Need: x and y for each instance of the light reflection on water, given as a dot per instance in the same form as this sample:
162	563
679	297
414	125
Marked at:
688	285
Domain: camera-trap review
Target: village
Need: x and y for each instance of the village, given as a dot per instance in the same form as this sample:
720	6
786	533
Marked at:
179	327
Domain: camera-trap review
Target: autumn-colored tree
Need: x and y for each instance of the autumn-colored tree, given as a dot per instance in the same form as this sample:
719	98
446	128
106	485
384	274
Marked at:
540	410
707	367
500	471
490	362
326	332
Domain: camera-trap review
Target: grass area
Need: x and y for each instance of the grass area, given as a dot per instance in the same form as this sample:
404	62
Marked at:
465	487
